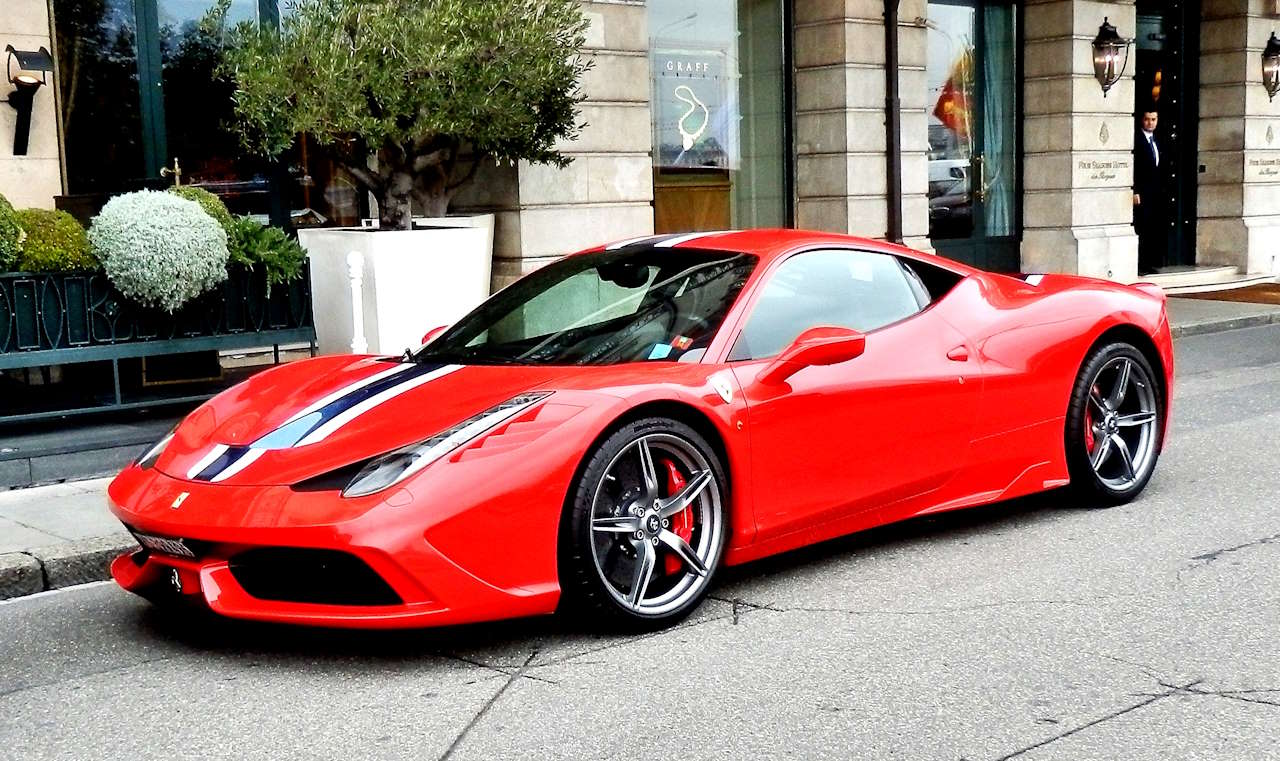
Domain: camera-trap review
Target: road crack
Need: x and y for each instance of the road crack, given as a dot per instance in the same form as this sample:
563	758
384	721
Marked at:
1173	690
484	709
1209	557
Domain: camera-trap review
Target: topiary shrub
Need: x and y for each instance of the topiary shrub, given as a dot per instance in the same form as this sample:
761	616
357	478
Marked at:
212	205
159	249
55	242
11	236
260	246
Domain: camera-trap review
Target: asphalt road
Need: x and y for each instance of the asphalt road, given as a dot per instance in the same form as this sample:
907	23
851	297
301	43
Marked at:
1033	629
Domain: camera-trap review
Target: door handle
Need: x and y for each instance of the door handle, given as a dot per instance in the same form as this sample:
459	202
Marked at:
958	354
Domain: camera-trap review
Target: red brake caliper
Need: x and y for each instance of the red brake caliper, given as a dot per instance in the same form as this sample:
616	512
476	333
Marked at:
681	522
1088	425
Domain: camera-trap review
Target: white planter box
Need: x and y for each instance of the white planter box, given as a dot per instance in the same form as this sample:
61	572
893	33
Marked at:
409	281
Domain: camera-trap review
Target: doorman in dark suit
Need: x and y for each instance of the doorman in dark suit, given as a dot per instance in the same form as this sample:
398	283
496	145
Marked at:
1150	215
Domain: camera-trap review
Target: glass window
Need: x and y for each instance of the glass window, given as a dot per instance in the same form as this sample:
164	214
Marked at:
950	76
628	305
718	114
139	92
847	289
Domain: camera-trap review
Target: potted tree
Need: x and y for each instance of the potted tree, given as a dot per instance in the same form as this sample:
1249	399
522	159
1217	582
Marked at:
409	97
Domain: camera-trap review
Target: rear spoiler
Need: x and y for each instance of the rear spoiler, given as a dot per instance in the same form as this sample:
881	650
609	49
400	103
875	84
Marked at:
1152	289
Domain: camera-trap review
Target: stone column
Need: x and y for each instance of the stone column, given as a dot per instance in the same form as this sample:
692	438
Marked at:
1239	195
841	169
33	179
1078	162
606	193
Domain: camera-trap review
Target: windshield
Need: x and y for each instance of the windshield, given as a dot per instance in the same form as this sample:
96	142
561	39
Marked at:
629	305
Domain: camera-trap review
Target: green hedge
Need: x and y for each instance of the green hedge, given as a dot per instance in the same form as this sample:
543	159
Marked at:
55	242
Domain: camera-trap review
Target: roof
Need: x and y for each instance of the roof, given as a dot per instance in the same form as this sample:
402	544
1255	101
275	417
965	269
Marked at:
767	243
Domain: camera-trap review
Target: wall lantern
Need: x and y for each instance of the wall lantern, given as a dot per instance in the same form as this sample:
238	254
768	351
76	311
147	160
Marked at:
1108	49
1271	66
26	70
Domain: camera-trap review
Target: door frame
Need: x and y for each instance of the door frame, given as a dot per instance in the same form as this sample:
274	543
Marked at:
1181	26
998	253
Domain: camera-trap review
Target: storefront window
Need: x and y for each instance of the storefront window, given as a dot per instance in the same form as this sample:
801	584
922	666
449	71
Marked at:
719	114
150	65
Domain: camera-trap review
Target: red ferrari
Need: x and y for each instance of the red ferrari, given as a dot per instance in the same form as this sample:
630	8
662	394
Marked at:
610	430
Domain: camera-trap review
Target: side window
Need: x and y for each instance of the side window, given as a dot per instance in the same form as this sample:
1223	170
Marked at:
849	289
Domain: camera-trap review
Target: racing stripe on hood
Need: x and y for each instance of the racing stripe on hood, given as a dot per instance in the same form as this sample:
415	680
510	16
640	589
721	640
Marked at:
319	419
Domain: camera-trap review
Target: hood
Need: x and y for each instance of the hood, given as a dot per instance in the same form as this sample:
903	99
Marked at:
307	418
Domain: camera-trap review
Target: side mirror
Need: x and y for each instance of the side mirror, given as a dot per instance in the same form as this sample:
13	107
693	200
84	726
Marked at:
431	334
822	345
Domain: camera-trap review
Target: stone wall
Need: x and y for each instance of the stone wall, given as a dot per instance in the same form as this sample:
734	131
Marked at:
33	179
606	193
1078	163
841	173
1239	194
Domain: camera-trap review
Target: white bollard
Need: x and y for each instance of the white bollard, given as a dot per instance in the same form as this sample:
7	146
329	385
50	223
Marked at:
355	270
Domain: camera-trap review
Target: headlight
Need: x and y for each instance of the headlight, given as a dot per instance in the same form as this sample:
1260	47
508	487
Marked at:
149	457
394	467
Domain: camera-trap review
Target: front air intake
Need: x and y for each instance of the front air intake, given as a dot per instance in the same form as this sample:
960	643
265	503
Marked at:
323	577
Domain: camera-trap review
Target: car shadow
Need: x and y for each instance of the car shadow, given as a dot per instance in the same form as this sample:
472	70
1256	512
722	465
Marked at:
504	644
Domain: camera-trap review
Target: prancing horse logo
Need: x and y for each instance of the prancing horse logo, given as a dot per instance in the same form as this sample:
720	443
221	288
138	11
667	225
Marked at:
177	502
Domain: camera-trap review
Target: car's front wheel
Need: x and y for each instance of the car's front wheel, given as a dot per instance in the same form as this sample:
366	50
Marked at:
644	529
1114	424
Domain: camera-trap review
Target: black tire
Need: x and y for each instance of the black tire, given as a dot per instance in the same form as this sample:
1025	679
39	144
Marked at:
586	594
1092	486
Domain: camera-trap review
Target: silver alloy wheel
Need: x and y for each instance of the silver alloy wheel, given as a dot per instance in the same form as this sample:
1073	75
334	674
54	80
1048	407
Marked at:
1121	419
631	525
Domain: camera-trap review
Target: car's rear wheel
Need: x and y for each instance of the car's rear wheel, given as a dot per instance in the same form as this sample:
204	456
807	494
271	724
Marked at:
644	529
1114	424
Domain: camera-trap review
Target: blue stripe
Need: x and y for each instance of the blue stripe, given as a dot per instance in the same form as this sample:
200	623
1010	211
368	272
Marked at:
288	435
224	461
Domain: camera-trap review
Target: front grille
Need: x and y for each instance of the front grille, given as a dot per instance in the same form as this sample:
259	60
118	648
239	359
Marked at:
325	577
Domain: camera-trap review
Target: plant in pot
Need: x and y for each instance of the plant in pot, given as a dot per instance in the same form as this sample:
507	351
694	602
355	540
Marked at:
409	97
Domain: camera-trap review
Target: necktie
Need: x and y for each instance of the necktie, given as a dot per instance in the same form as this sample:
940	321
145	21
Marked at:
1155	152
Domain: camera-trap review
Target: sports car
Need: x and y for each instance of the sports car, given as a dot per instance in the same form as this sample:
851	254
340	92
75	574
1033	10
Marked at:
609	431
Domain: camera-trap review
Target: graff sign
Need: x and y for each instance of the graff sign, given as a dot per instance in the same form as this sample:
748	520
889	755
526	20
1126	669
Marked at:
696	119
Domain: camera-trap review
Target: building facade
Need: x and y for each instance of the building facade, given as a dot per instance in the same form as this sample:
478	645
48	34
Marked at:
992	141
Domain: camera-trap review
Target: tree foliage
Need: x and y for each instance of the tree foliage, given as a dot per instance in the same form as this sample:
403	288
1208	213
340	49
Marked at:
396	90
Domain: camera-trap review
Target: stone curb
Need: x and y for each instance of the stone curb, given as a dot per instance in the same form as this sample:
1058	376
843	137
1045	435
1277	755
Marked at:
61	565
1230	323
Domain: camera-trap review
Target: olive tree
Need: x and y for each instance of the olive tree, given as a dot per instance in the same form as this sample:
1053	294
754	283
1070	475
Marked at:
409	96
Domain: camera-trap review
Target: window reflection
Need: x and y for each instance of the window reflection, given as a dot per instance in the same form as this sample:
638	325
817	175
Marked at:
138	91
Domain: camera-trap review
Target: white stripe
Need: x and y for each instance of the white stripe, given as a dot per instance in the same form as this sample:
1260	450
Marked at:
337	422
670	242
336	395
207	460
245	461
1033	280
631	242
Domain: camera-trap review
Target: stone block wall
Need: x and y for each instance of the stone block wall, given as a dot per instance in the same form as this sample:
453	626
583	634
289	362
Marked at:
606	193
34	179
841	170
1239	194
1078	163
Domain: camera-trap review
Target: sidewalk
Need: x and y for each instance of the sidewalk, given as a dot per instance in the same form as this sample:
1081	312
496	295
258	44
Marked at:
59	535
56	536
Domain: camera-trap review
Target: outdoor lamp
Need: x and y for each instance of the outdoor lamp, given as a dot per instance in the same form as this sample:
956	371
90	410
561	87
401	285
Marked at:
1271	66
1108	47
30	72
